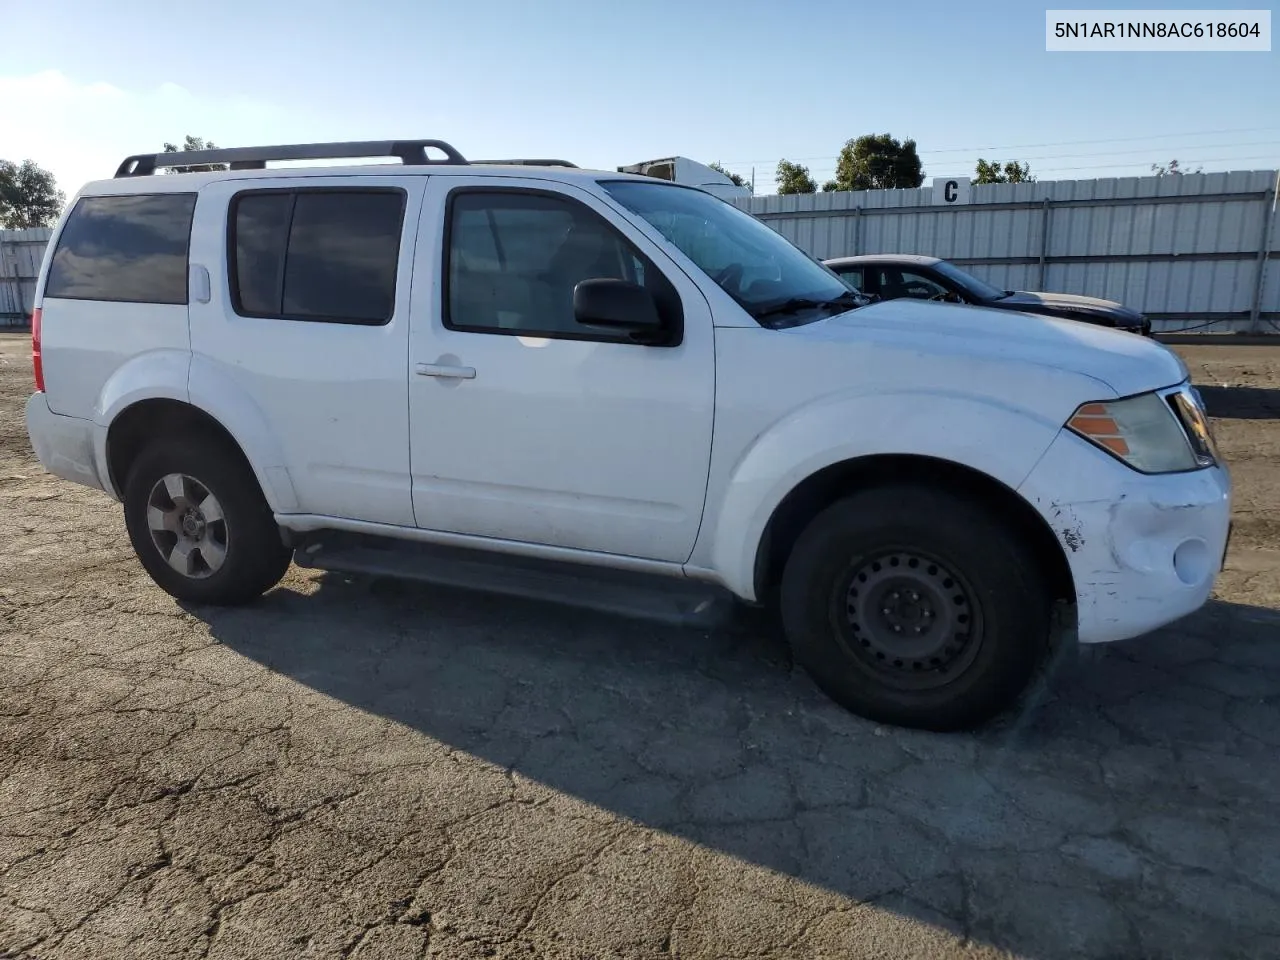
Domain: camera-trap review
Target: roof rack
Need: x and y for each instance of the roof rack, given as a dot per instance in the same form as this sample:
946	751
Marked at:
410	152
526	163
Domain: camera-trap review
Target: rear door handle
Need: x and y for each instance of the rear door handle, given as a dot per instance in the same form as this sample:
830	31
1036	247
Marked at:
446	370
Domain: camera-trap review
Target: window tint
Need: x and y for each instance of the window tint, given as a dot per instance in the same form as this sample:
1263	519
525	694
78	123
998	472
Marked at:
128	248
342	256
317	254
515	258
262	225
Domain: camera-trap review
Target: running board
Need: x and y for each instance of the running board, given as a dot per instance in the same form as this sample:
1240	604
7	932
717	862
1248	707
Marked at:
672	600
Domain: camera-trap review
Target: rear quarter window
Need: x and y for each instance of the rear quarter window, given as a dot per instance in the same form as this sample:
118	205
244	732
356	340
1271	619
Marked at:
130	249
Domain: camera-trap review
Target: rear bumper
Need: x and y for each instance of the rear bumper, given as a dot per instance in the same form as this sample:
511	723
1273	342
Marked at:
64	445
1144	551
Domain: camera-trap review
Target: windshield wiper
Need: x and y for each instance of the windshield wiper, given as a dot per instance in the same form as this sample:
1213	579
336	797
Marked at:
848	300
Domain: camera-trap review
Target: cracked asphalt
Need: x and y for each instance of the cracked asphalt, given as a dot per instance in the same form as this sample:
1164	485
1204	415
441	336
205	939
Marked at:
371	769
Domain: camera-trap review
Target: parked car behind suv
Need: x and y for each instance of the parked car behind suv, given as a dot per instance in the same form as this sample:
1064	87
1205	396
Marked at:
889	276
439	369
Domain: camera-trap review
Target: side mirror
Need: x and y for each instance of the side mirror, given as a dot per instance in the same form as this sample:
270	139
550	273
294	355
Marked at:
617	304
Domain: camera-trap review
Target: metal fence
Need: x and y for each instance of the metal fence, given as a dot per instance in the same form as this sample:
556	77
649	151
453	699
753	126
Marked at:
20	254
1194	252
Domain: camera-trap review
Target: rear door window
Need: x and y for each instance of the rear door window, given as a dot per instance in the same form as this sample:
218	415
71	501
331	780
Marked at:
128	249
321	255
262	231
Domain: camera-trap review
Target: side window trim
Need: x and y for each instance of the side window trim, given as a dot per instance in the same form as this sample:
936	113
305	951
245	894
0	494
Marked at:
232	265
627	245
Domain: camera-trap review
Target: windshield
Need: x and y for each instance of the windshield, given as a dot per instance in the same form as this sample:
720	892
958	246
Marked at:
773	280
979	289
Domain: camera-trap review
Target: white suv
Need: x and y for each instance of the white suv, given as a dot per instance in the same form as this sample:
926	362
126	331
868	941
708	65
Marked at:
421	367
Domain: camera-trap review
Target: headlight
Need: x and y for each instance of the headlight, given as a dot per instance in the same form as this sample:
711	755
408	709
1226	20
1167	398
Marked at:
1152	433
1189	406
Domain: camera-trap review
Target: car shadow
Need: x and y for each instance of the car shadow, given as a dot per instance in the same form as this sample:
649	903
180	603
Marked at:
1241	403
1033	834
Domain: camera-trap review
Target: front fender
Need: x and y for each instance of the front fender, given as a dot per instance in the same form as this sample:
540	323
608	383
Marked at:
1000	440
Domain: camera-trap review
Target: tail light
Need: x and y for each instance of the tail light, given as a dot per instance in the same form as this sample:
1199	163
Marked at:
37	365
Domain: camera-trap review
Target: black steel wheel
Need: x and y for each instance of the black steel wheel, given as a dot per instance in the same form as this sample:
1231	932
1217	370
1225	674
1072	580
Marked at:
911	620
916	607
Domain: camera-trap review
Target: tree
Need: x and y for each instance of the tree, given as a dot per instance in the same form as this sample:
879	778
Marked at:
1172	169
1011	172
878	162
189	145
830	186
794	178
738	179
29	196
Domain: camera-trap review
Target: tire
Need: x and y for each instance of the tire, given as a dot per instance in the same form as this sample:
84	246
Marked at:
969	602
233	554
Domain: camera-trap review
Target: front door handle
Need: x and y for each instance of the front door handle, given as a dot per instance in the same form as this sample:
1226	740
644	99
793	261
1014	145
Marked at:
446	370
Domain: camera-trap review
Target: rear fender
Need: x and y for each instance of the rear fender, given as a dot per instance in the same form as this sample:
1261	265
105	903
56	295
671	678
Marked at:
226	401
180	376
157	375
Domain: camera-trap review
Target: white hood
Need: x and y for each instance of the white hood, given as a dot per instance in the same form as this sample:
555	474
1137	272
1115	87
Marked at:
1127	363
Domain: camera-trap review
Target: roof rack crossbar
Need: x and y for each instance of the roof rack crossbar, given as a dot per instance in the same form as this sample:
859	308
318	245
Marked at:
525	163
410	152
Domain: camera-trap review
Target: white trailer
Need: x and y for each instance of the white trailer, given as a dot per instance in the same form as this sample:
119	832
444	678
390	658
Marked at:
691	173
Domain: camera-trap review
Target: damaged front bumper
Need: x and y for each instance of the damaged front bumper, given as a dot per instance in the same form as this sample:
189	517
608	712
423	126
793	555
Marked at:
1143	550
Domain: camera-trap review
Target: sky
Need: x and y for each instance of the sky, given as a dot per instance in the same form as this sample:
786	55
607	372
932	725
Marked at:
605	83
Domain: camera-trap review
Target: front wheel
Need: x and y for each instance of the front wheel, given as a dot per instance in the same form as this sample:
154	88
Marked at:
200	525
915	607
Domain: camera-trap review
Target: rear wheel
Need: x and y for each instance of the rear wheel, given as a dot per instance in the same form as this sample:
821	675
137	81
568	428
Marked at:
200	525
915	607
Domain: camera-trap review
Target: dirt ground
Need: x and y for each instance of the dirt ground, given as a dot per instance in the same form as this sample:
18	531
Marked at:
368	769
